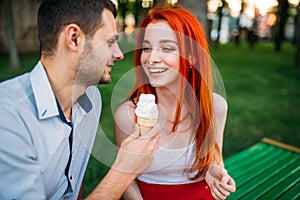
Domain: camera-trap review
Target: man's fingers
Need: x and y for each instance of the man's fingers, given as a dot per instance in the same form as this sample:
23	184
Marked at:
135	133
153	132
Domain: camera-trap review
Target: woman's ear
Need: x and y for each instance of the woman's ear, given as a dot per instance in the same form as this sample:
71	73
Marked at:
192	60
73	35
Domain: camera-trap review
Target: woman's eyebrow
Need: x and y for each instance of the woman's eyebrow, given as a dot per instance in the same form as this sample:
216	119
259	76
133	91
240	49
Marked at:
168	41
162	41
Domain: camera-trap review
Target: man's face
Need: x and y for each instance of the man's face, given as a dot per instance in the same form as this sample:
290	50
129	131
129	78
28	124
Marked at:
100	53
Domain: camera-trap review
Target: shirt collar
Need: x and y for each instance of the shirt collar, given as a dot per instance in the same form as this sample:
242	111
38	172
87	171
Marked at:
85	103
45	97
43	93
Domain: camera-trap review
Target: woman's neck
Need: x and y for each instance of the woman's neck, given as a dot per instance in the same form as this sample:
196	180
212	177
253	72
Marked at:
183	135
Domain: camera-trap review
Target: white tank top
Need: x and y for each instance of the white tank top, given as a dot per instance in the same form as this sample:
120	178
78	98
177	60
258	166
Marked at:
171	166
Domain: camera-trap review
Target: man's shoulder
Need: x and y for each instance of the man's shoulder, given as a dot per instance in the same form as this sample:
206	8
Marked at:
93	93
15	90
94	96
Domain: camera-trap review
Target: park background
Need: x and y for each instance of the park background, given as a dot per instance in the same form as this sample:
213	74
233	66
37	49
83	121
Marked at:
261	74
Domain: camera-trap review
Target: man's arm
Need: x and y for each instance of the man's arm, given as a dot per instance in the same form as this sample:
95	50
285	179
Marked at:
134	156
112	186
19	168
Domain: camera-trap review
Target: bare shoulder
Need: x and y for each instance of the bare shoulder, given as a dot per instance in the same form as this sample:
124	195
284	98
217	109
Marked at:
124	117
220	105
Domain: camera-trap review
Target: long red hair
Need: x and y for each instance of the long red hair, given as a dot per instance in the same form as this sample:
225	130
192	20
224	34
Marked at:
196	85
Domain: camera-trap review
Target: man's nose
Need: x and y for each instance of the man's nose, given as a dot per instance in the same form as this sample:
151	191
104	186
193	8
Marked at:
117	53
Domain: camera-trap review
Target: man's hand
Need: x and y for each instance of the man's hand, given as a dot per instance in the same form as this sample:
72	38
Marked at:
134	157
136	153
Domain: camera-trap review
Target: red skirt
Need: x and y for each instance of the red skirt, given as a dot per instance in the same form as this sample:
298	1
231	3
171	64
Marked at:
191	191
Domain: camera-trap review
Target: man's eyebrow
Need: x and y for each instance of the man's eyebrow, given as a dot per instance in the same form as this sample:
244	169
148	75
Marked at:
114	37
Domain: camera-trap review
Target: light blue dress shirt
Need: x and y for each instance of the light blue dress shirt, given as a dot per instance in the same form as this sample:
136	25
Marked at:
34	146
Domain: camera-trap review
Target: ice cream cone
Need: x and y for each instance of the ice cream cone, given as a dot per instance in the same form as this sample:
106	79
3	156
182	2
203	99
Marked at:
145	124
146	112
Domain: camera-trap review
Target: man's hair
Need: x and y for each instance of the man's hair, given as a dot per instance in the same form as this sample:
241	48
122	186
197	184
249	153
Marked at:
53	15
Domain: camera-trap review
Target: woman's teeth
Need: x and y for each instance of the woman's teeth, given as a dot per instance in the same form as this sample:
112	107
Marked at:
157	70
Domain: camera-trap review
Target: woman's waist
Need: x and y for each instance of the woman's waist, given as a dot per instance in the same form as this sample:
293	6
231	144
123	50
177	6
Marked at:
169	176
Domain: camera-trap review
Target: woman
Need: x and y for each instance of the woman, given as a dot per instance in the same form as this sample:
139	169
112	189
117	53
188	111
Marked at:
172	62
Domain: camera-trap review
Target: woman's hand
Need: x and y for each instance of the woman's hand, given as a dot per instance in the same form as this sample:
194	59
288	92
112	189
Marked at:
220	182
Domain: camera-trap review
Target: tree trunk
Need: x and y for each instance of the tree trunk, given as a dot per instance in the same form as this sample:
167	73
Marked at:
159	1
199	9
9	25
122	11
220	14
297	36
137	6
282	16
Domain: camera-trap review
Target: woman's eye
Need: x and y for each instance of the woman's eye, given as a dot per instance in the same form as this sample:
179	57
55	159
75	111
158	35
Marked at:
146	49
167	49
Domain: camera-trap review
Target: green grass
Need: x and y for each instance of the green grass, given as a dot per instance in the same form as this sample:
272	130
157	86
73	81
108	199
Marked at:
263	94
262	90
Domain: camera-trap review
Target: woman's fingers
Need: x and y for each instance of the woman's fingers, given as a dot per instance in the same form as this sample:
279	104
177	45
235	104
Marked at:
229	185
217	192
221	190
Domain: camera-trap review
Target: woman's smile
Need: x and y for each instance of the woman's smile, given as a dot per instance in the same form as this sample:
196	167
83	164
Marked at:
156	70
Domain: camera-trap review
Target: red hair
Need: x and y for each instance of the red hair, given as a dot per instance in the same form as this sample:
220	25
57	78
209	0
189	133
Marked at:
195	86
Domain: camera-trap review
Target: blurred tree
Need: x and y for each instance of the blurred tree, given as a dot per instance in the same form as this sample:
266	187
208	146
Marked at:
137	7
279	28
220	15
9	26
298	37
159	1
199	9
122	9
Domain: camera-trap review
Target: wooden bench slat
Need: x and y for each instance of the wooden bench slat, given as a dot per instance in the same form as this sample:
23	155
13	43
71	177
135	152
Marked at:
292	194
258	165
287	183
244	155
266	168
257	186
265	171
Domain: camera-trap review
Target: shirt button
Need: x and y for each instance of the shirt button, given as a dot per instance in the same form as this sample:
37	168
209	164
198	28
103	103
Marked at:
71	177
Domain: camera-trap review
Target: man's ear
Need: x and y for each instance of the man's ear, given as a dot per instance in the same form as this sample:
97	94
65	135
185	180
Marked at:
73	36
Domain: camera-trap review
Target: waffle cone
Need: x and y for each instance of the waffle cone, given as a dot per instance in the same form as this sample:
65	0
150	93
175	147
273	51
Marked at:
145	124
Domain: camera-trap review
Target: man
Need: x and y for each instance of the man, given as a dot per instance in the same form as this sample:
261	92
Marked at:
49	116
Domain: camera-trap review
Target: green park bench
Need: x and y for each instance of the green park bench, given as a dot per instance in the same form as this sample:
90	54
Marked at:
267	170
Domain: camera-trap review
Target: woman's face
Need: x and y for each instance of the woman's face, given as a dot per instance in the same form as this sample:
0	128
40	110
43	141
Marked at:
160	55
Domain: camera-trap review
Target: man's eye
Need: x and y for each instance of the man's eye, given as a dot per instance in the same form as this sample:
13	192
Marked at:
110	42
